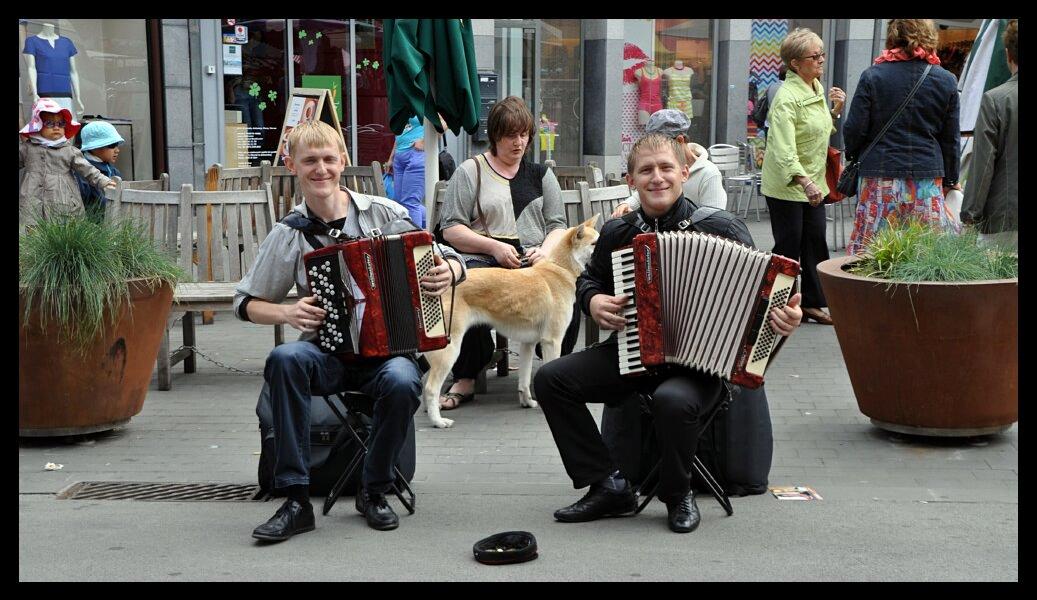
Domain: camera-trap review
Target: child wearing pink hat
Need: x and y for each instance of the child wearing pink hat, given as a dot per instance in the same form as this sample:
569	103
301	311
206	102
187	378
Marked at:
48	158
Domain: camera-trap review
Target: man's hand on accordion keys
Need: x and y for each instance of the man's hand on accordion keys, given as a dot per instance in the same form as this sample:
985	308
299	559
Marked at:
607	311
785	320
305	315
438	279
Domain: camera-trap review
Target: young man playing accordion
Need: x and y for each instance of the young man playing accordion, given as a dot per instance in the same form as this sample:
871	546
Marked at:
680	396
297	370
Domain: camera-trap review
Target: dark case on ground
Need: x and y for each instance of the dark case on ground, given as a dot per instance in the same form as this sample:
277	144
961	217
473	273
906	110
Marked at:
331	447
737	447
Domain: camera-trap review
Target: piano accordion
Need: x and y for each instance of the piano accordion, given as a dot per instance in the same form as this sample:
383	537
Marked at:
700	301
375	305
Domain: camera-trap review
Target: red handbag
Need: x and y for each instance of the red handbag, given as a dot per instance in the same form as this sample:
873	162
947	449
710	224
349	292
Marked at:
833	169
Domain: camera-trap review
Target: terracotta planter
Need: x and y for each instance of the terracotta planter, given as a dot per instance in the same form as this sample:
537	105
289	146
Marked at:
64	393
928	358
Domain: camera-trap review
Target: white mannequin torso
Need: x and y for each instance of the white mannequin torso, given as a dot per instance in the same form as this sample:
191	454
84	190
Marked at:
50	35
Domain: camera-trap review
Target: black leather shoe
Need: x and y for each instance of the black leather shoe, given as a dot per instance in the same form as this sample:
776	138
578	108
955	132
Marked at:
376	510
683	516
598	503
290	519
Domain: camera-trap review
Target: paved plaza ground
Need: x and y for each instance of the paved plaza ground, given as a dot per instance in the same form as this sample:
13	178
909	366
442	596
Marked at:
895	508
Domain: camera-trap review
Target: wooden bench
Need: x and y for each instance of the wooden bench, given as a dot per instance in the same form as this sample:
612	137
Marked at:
177	221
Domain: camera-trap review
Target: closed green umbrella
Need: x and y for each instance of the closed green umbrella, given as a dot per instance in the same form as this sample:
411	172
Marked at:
430	70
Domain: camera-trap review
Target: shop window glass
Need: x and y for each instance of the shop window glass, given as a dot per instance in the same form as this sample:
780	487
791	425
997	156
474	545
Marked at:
954	46
111	64
374	138
321	60
560	110
256	88
684	55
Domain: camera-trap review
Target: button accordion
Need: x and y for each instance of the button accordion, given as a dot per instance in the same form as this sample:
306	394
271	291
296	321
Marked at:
700	301
375	305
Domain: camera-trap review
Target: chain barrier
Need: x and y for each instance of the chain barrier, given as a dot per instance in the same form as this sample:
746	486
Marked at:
244	372
216	362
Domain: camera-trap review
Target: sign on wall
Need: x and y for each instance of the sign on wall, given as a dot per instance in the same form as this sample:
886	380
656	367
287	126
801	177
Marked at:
306	105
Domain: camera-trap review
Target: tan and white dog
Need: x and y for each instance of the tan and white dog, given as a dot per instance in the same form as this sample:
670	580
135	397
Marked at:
529	306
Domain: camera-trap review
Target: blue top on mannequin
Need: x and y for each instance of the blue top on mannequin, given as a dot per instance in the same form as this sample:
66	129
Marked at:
52	64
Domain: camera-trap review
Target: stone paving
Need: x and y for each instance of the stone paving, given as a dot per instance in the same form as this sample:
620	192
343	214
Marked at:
205	429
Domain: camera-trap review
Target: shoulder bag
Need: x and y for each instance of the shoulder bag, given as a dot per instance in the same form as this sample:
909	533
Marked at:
847	184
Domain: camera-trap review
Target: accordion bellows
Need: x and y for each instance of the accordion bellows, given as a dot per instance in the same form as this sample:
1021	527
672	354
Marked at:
370	289
700	301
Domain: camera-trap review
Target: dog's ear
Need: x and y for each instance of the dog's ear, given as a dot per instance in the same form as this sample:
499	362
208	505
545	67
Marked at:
589	224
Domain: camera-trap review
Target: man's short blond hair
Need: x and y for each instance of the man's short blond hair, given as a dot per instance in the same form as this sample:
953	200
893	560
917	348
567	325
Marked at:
797	44
653	142
314	134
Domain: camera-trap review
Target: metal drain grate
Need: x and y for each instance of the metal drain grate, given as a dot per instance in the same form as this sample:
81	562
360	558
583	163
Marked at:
159	492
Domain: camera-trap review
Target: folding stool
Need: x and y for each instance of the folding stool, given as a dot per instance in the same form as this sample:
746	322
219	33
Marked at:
714	486
357	404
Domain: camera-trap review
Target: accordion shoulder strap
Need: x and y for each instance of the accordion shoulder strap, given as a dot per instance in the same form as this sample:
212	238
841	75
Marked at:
311	228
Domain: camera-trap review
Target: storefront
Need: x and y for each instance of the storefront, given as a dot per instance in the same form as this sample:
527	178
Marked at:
98	68
265	58
667	63
956	37
540	62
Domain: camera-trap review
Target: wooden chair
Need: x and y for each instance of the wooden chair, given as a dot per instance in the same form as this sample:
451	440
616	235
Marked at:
177	220
437	205
602	201
154	185
245	178
285	189
366	180
570	177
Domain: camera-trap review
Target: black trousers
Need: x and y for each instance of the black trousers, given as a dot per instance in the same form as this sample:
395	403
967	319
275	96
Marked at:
799	234
681	398
477	345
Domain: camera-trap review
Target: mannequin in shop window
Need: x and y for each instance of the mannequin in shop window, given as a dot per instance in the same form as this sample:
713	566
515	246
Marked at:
649	89
677	90
51	64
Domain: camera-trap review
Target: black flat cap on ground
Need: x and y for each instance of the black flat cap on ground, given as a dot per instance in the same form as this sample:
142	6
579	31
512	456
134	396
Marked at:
506	548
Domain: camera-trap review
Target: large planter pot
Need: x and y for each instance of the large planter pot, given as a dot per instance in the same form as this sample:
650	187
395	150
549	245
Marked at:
928	358
61	392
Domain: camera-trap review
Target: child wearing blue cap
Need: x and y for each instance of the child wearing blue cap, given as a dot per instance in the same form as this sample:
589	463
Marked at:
100	146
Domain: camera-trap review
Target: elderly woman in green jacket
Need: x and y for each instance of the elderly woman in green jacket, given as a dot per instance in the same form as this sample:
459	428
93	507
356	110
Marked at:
794	164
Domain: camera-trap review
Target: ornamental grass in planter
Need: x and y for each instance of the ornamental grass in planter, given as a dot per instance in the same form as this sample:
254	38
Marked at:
927	322
93	303
912	251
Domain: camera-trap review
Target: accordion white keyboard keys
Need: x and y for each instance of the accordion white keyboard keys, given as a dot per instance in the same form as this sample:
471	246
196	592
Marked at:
629	344
705	302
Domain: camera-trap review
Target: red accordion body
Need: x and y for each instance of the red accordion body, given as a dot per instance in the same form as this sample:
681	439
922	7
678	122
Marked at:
370	288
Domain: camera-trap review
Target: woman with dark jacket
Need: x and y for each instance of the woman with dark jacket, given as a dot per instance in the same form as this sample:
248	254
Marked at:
915	163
